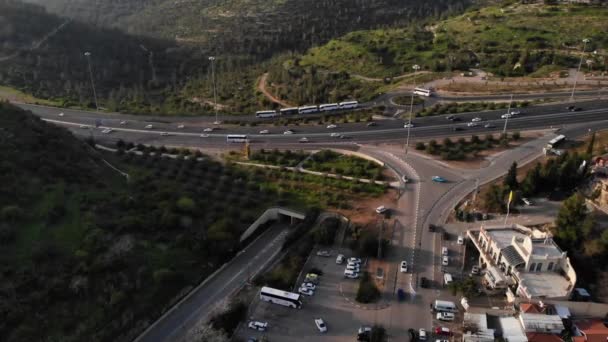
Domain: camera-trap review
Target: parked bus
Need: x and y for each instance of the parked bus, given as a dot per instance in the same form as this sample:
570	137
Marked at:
289	111
308	109
328	107
423	92
265	114
445	306
280	297
348	104
556	141
236	138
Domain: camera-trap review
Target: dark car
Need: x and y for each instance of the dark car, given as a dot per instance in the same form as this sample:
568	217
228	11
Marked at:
576	109
456	129
432	227
401	295
424	283
412	333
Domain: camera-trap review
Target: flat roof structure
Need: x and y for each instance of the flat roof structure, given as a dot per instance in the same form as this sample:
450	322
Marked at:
591	331
544	284
512	330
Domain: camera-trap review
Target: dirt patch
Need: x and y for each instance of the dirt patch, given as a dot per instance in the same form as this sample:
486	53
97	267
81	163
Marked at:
363	211
518	87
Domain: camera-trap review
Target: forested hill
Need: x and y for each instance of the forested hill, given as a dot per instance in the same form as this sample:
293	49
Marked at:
259	27
130	72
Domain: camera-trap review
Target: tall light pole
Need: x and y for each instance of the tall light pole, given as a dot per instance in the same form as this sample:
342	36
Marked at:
416	67
504	129
88	55
585	41
212	59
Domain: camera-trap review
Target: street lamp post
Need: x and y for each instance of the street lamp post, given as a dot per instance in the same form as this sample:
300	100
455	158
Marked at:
416	67
504	129
88	55
212	59
580	63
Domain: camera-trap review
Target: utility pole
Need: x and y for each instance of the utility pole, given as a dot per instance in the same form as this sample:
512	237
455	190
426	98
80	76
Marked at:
88	55
212	59
416	67
585	41
504	129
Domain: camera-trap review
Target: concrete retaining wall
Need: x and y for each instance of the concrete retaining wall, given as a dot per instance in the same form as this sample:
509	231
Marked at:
268	215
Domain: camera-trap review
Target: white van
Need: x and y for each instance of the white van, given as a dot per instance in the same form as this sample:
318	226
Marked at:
445	306
447	279
444	251
446	316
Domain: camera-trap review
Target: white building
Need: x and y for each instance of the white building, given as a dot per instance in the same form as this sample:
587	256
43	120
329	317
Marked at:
526	261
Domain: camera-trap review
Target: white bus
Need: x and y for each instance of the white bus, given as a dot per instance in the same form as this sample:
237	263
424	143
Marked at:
348	104
236	138
308	109
328	107
289	111
423	92
266	114
280	297
445	306
556	141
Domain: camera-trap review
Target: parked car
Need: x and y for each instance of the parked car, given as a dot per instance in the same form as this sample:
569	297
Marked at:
340	259
354	260
364	334
256	325
460	240
353	267
446	316
445	260
350	274
475	270
403	267
381	209
305	291
424	283
412	334
324	253
422	334
400	295
443	331
310	286
320	325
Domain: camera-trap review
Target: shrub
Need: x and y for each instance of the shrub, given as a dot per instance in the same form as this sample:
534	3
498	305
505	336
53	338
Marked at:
367	292
230	319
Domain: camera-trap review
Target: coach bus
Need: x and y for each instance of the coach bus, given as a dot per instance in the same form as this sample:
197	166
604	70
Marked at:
328	107
423	92
348	104
289	111
280	297
236	138
265	114
556	141
308	109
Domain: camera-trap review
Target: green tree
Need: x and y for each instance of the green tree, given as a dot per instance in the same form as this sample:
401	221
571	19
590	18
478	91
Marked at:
186	205
367	291
571	219
590	146
531	184
494	199
510	181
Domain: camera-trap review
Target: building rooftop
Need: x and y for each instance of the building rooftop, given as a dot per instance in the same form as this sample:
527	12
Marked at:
511	330
542	337
544	284
539	322
545	248
592	331
503	237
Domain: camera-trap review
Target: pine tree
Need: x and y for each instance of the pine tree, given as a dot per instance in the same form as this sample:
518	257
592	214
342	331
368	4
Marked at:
590	146
511	179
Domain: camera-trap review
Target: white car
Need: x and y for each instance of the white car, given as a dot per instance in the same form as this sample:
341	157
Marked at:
403	267
306	291
288	132
477	119
264	131
460	240
320	325
472	124
107	131
408	125
526	201
303	140
149	127
354	260
445	260
61	114
123	122
310	286
506	116
332	126
335	135
381	209
324	253
353	267
204	135
445	316
488	125
515	112
259	326
340	259
422	335
208	129
351	274
180	126
84	126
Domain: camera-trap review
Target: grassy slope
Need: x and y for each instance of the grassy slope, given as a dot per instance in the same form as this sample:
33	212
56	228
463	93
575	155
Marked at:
488	31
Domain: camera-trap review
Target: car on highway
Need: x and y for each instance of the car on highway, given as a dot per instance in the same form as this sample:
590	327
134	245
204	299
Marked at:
445	260
342	136
123	122
288	132
324	253
180	126
303	140
264	131
403	267
371	124
149	127
457	128
107	131
488	125
422	334
526	201
408	125
475	270
208	129
443	331
335	135
515	112
381	209
61	114
340	259
332	126
446	316
574	108
506	116
84	126
442	340
472	124
476	119
460	240
450	117
438	179
310	286
320	325
165	134
256	325
350	274
305	291
204	135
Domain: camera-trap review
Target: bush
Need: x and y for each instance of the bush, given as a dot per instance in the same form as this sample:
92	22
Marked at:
367	292
420	146
325	233
230	319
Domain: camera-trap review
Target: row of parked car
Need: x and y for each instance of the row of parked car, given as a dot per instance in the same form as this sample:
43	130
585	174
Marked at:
353	266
